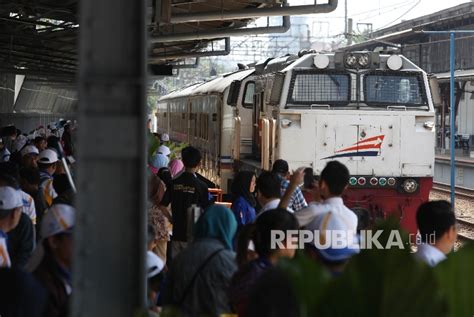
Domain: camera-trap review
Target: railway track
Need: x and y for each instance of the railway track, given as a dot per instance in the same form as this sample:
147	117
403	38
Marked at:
465	230
460	191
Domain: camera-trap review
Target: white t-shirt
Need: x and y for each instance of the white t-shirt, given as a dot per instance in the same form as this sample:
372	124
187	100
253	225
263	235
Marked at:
273	204
336	205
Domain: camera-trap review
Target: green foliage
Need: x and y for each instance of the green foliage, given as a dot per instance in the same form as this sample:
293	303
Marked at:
151	102
309	282
456	279
175	149
153	144
385	283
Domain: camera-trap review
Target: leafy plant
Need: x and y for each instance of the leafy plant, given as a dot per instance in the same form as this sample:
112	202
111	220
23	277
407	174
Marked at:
385	283
456	279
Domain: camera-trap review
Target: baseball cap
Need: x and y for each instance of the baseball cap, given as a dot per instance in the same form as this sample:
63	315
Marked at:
163	149
154	264
280	166
165	137
57	219
29	149
327	225
48	156
9	198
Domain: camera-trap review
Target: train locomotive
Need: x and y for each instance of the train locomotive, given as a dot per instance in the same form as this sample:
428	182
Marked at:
371	111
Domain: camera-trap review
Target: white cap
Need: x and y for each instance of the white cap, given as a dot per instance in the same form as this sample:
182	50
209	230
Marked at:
163	149
48	156
154	264
328	225
58	218
9	198
165	137
29	149
19	143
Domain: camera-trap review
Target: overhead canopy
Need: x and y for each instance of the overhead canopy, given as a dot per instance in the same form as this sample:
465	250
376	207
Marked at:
39	38
458	75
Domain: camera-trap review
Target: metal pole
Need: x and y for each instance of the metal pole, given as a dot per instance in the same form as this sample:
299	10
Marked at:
452	118
345	20
110	232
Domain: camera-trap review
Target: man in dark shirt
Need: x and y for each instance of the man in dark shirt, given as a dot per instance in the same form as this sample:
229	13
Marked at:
21	242
186	191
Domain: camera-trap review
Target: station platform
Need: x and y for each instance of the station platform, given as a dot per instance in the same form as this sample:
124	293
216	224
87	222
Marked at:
464	168
459	159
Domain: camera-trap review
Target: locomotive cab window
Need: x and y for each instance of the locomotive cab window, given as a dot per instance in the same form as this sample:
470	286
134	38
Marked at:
320	88
249	91
394	89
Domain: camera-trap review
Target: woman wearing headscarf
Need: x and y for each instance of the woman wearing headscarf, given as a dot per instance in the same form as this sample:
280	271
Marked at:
158	161
176	167
158	216
199	278
243	204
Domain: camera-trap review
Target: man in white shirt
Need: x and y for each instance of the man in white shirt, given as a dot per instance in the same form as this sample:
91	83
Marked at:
268	191
333	181
437	225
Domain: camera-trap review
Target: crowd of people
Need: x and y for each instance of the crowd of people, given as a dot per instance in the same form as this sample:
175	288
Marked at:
36	219
217	256
203	258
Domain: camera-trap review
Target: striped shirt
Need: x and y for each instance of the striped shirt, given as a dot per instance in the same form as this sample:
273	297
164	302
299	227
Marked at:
297	201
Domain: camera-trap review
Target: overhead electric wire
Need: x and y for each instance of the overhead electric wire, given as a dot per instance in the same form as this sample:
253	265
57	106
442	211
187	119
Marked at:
405	13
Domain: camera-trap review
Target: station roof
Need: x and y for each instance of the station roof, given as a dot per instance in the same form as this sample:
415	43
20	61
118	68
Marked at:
466	74
40	37
408	31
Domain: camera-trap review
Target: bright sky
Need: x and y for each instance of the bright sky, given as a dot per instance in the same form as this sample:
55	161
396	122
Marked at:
380	13
329	28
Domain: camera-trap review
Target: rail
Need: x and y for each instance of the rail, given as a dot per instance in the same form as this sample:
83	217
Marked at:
465	230
459	191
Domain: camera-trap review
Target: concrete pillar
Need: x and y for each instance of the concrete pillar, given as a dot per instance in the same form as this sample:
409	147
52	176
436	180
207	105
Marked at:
109	250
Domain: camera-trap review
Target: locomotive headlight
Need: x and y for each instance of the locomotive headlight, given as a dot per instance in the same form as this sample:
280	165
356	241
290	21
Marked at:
351	60
394	62
363	60
410	185
321	61
391	181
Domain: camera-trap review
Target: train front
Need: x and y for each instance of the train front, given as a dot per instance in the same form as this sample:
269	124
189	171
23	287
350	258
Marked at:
372	112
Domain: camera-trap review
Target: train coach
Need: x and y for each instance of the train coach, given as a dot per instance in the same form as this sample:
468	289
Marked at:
373	112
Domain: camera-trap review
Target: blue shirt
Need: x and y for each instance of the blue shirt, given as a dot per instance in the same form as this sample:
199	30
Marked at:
243	211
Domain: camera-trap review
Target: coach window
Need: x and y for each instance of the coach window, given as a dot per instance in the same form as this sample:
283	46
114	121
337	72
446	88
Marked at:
249	91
